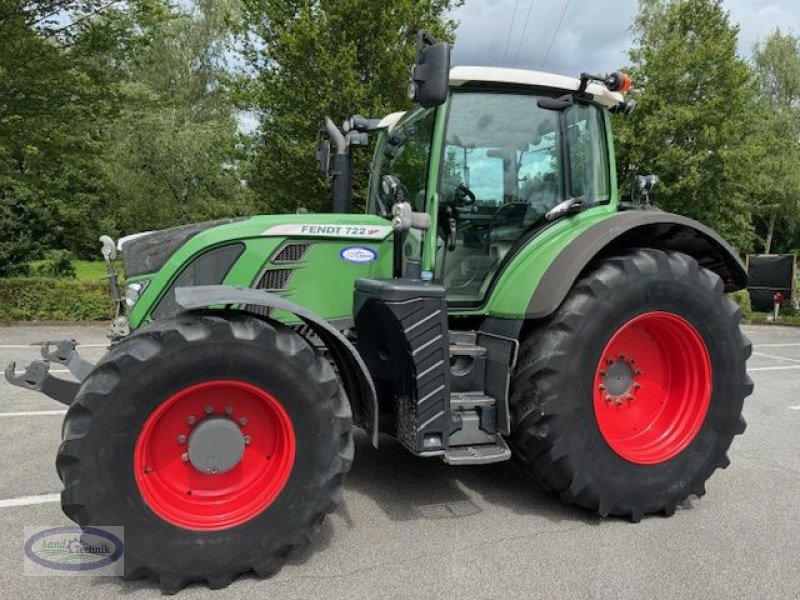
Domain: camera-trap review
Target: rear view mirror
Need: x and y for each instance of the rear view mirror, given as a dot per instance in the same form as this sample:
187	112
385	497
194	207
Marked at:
430	75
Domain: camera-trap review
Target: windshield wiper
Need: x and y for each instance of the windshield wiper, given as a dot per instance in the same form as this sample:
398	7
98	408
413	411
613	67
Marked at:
570	206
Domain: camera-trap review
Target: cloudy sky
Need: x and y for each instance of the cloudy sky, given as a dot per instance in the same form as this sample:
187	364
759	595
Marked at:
593	34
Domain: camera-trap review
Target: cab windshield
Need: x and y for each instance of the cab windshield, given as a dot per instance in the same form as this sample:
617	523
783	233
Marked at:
507	162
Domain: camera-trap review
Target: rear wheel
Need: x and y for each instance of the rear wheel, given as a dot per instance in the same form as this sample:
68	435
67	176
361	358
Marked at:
217	440
627	399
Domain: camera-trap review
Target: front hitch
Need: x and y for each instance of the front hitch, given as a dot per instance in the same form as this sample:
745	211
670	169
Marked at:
37	375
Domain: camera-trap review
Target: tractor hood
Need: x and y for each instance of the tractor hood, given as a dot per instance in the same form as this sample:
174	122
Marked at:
147	252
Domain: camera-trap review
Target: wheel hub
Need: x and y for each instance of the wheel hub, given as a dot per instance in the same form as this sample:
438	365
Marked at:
618	379
216	446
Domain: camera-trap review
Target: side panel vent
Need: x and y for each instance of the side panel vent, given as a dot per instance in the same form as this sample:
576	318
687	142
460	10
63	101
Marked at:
270	281
291	253
275	279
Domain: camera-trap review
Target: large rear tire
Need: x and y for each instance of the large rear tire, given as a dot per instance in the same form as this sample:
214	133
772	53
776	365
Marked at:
626	400
217	440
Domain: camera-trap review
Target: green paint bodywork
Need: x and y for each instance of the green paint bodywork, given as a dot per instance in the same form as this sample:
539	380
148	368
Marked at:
324	283
321	281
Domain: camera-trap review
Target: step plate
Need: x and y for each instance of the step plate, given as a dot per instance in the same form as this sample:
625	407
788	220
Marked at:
482	454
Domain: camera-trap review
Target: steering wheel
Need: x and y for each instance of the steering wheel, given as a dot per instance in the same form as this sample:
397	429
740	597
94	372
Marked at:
463	196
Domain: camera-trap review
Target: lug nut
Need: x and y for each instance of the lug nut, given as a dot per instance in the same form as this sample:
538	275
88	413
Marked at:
209	409
610	361
602	373
636	386
247	439
629	397
618	401
185	457
228	410
190	420
601	387
608	398
181	439
638	371
243	421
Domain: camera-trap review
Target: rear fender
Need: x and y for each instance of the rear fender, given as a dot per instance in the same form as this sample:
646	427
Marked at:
353	373
521	294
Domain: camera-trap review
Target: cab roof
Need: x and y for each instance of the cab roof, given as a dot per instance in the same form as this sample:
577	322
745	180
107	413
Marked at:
460	76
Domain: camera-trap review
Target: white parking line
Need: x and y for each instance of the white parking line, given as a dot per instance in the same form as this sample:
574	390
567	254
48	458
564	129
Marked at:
30	500
776	345
774	357
795	407
32	413
37	346
781	368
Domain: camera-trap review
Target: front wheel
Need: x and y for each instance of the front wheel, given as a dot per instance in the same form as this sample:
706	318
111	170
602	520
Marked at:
217	440
626	400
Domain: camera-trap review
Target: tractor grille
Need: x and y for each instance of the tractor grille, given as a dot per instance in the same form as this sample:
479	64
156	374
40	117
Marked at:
271	280
291	253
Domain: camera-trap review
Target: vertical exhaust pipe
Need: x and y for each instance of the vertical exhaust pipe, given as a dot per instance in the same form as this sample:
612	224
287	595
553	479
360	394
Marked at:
342	172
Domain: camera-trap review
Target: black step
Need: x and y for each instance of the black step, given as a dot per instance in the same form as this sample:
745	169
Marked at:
479	454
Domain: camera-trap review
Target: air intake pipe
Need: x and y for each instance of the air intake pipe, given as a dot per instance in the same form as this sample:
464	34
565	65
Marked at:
342	172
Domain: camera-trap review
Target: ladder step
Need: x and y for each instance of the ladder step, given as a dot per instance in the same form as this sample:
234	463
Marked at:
467	350
468	399
482	454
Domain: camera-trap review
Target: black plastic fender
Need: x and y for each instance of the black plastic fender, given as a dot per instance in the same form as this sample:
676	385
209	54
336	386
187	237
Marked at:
636	228
355	377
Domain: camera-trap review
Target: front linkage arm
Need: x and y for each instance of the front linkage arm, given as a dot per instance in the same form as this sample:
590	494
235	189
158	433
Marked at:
37	375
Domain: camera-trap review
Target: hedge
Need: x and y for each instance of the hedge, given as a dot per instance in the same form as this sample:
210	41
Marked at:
742	298
51	299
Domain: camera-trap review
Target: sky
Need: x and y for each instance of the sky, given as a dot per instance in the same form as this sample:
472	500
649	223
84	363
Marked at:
593	34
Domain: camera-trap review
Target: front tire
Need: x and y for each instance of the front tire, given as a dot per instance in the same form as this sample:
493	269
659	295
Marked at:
626	400
219	441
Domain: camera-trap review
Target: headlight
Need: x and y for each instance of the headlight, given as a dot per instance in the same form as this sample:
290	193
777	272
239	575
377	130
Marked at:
133	291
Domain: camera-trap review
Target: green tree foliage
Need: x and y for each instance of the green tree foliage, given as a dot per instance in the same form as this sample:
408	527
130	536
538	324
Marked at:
114	117
777	64
326	57
695	117
171	155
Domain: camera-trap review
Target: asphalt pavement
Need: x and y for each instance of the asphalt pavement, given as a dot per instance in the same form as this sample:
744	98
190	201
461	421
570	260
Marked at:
417	528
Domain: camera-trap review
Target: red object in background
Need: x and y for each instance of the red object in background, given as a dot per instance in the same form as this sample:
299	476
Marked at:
778	298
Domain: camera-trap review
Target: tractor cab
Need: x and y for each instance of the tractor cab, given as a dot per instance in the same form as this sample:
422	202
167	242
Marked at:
490	166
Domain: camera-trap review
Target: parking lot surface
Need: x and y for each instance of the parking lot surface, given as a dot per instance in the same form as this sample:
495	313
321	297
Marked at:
417	528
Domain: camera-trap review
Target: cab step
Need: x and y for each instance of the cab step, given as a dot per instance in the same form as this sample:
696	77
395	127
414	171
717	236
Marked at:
478	454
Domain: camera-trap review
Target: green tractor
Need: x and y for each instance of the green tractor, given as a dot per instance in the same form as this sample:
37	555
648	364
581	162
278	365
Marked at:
495	300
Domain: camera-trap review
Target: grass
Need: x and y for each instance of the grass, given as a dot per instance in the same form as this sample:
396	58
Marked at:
85	270
760	318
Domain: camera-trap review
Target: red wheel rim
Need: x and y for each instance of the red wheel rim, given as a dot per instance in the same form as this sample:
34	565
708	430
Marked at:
652	388
180	493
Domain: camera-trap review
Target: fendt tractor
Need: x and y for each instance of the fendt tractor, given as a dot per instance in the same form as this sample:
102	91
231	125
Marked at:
496	299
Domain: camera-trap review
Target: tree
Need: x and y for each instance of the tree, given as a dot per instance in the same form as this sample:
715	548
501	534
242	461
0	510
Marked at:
777	64
171	153
326	57
695	115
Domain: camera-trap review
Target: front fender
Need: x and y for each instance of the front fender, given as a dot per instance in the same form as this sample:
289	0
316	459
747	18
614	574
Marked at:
353	373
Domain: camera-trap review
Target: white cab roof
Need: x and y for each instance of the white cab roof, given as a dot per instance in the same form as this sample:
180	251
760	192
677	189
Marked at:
462	75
